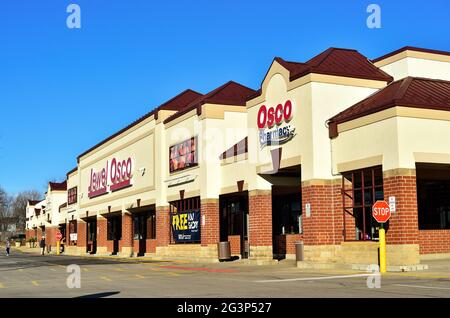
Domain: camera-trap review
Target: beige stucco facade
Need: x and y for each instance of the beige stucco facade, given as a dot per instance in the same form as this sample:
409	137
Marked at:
395	138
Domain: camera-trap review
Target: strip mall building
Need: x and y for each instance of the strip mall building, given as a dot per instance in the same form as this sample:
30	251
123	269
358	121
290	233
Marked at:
301	159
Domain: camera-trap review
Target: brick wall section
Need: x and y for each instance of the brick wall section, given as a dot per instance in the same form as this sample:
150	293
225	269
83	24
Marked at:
29	234
325	225
260	218
403	224
162	226
127	230
285	244
290	242
39	234
235	244
210	232
136	246
434	241
102	232
109	246
50	236
81	234
151	245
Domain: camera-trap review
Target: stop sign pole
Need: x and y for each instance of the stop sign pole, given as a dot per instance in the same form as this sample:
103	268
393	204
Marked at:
381	213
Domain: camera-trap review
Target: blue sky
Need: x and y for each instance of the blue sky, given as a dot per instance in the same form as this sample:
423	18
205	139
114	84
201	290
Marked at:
63	90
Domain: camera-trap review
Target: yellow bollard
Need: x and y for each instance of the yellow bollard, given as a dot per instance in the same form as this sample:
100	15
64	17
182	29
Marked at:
57	247
382	236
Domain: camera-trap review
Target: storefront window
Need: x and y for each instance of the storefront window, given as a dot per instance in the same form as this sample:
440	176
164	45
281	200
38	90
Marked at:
287	210
92	230
234	211
139	231
151	226
72	196
433	196
360	190
72	230
114	228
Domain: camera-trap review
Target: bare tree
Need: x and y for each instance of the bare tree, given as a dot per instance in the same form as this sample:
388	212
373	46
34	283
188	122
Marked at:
5	209
19	204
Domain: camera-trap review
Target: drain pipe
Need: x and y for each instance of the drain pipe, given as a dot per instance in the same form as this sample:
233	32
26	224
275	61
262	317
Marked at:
334	175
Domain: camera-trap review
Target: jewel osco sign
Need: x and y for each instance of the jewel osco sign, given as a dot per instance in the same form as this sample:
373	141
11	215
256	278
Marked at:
115	175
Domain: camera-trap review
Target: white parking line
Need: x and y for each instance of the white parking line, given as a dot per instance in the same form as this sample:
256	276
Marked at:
418	286
312	278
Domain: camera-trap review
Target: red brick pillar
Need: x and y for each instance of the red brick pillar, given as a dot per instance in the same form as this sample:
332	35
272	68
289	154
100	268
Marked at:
162	226
102	235
81	233
210	232
324	226
50	236
260	224
127	234
403	224
39	234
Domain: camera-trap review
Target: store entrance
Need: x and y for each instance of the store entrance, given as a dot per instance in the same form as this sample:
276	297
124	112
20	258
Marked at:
286	209
286	218
114	231
140	232
91	237
234	222
144	227
62	230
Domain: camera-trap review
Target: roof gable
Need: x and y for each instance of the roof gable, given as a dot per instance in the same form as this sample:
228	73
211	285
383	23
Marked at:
230	93
409	92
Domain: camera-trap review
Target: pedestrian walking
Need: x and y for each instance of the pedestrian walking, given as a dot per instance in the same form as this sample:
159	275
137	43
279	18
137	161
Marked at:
42	245
8	247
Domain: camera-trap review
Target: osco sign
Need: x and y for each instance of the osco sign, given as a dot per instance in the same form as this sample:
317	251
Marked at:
274	115
269	117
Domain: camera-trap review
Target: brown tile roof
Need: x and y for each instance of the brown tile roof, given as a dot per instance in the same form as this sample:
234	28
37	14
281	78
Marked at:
33	202
237	149
337	62
231	93
410	92
176	103
55	186
409	48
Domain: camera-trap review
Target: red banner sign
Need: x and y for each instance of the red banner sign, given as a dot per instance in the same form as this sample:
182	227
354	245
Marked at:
115	175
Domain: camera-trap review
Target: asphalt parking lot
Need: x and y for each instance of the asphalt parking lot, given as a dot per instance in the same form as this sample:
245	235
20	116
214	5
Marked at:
32	275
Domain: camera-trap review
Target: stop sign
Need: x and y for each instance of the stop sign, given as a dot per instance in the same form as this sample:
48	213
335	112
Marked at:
381	211
59	236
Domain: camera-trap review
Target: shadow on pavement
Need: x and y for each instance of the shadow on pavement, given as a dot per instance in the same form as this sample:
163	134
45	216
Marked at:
99	295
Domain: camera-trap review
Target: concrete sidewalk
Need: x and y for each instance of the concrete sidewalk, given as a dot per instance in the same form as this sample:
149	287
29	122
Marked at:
436	268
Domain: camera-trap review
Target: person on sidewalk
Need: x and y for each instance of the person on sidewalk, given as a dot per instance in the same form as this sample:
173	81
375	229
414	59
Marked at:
8	247
42	245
